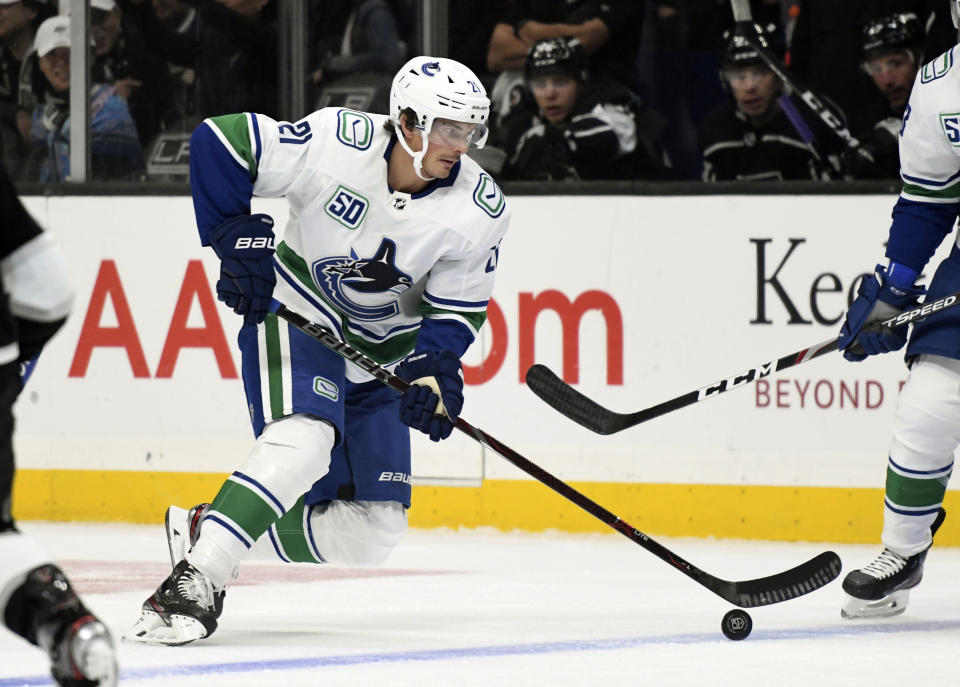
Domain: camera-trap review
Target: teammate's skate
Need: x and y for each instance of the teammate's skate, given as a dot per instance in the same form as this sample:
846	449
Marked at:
882	588
184	608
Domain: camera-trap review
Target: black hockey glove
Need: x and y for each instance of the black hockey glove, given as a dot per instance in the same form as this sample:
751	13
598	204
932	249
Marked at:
434	401
245	246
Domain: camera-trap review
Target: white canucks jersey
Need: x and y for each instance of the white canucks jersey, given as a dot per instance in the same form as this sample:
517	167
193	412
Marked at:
930	134
366	260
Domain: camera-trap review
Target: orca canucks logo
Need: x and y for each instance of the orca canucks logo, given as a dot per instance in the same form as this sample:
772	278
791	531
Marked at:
364	288
430	68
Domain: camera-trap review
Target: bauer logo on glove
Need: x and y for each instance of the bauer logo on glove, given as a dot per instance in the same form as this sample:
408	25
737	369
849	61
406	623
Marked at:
245	246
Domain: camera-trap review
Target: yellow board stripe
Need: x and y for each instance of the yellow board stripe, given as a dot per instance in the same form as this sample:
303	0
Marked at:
833	514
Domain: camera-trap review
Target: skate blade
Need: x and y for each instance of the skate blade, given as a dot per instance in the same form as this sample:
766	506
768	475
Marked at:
178	533
891	605
151	629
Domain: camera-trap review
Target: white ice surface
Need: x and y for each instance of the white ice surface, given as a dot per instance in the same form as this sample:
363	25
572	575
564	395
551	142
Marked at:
487	608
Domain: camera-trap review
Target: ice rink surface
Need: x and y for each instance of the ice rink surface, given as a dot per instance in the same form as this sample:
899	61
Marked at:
486	608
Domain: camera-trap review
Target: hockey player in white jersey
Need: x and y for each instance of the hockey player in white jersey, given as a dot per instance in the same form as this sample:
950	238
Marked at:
926	427
392	241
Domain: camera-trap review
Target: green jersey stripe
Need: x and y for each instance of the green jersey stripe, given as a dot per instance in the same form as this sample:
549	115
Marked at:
951	192
236	130
473	319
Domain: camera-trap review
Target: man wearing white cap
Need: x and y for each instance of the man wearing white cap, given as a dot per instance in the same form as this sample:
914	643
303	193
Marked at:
115	149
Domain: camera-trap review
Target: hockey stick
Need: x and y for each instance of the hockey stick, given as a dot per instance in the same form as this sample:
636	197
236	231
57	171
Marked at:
741	15
584	411
806	134
762	591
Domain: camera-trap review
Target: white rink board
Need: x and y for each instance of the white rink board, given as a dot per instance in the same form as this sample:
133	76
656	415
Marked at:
682	271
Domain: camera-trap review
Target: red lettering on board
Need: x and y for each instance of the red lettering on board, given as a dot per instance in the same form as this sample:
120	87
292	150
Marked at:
570	314
209	336
124	335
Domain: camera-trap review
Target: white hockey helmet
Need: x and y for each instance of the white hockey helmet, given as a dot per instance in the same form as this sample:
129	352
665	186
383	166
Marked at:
955	13
439	88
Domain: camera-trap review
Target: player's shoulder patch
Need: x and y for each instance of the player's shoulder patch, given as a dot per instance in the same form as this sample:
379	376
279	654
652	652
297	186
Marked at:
354	128
950	126
488	196
937	68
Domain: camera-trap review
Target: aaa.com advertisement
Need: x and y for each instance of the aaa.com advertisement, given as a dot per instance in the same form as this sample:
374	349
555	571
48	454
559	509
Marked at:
633	300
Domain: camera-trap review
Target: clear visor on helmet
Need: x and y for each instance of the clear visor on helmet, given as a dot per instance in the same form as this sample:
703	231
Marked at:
746	73
447	132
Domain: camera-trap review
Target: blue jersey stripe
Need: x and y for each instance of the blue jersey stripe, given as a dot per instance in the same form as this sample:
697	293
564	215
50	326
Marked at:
453	303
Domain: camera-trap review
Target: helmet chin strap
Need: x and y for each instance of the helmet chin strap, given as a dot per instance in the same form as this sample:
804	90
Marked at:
417	156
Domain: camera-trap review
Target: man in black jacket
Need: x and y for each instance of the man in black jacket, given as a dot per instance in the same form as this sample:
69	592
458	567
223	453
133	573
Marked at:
892	54
565	126
751	137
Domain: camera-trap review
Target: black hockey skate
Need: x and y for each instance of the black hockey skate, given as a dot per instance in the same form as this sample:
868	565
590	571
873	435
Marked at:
882	588
184	608
51	615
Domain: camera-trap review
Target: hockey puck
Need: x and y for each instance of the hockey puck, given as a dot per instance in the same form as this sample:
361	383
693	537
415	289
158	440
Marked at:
736	624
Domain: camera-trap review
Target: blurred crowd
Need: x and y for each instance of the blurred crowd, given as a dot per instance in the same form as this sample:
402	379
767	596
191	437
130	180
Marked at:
659	90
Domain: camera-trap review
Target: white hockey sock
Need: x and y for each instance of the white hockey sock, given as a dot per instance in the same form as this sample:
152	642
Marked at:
216	554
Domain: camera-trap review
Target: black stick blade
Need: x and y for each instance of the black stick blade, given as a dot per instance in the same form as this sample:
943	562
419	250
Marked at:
805	578
571	403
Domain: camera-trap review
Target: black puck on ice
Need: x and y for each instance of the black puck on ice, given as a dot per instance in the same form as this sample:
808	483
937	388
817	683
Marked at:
736	624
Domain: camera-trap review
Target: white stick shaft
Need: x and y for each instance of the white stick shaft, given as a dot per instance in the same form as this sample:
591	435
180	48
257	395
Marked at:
741	10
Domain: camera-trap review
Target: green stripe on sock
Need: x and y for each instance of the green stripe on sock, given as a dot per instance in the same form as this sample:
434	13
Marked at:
245	507
274	366
911	492
292	537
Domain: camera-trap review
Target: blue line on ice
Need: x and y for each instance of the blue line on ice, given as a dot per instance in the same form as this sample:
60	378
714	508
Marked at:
852	629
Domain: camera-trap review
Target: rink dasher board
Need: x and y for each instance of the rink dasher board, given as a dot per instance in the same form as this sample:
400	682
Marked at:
676	292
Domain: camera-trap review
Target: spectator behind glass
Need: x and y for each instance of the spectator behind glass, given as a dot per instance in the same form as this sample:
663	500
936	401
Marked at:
121	59
750	137
892	54
115	149
177	25
222	55
608	30
576	128
363	38
238	57
471	25
18	24
826	50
